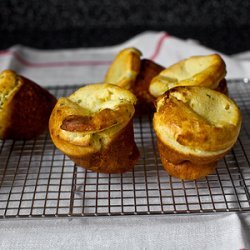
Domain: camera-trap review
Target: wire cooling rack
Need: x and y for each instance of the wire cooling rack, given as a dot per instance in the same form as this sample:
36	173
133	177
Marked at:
37	180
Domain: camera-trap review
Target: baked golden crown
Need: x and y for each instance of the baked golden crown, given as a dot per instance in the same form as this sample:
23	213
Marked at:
25	107
90	118
197	122
125	68
206	71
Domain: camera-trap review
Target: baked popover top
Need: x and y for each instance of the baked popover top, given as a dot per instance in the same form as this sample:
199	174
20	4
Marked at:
90	118
125	68
206	71
197	120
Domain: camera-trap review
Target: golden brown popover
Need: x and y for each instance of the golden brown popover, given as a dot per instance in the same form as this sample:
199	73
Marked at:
125	68
222	87
207	71
129	71
25	107
195	127
94	127
148	71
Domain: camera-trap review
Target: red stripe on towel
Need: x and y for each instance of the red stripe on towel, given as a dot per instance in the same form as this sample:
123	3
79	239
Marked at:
27	63
159	45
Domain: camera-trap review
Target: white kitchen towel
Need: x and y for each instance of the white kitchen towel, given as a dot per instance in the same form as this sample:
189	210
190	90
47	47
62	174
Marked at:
88	65
228	231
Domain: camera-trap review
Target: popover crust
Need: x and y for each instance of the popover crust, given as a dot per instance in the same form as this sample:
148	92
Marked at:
195	125
206	71
129	71
93	126
125	68
149	70
25	107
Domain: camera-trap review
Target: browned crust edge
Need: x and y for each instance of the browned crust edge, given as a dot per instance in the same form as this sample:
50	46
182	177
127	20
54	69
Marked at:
30	109
145	101
186	167
120	156
187	170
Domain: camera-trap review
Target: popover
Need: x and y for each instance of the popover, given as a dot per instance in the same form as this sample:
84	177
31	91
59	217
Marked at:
195	127
124	68
129	71
94	127
207	71
25	107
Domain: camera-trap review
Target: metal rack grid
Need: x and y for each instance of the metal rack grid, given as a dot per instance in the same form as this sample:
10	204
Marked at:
37	180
